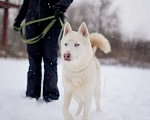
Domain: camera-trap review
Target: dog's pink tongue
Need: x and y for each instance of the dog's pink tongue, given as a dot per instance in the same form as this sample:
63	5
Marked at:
67	56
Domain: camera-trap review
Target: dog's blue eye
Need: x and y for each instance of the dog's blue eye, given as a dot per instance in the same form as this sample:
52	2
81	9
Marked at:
66	44
76	44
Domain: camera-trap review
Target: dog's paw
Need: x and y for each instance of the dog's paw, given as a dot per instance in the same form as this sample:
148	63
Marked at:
77	113
99	112
68	117
85	119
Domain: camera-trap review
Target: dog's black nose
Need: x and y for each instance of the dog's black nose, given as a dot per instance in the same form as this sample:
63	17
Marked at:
67	56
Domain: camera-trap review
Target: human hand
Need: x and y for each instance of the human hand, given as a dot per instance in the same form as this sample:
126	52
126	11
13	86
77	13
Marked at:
58	14
16	26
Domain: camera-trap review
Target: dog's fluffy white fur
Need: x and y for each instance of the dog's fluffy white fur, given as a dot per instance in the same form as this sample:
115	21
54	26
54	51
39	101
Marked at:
81	69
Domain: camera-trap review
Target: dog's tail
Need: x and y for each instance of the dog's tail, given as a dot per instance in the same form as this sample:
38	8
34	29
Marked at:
98	40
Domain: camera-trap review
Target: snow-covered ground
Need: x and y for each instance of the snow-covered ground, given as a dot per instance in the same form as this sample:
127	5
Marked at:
125	94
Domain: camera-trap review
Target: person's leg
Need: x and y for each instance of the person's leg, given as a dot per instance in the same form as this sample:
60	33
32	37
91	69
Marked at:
35	58
50	89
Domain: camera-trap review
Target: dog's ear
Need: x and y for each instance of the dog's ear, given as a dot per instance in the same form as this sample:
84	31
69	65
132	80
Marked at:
83	29
67	28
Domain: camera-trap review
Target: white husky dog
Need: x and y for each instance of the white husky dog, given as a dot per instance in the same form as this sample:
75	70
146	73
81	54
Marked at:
81	69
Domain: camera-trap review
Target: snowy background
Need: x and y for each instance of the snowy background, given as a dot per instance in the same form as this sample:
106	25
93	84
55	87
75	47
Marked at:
125	94
125	23
134	15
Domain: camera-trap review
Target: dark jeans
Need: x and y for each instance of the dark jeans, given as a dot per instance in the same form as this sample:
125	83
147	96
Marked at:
46	49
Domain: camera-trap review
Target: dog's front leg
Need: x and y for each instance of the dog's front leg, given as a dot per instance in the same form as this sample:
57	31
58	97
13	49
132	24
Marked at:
87	106
67	100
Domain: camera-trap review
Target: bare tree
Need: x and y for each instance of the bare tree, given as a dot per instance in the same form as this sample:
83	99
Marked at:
97	14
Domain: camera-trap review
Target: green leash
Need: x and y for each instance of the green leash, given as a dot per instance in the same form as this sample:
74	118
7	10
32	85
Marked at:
38	38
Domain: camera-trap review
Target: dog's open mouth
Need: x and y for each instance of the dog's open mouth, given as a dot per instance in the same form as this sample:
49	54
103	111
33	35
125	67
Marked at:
67	59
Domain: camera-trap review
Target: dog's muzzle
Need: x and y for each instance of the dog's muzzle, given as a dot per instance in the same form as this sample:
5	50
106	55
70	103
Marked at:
67	56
